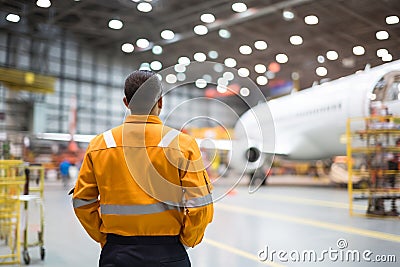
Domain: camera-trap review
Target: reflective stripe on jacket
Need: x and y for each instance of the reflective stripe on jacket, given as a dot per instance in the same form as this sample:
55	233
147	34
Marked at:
143	178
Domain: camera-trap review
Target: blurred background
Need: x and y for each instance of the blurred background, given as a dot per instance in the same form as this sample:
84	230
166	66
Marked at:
318	63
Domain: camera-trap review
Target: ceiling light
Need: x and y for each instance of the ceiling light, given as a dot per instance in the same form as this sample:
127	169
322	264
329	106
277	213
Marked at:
184	60
170	78
321	59
230	62
43	3
142	43
382	35
207	77
180	68
244	91
115	24
156	65
201	83
239	7
281	58
271	75
321	71
311	20
358	50
181	76
144	7
213	54
332	55
218	67
387	57
392	20
260	45
207	18
200	57
157	50
222	81
222	89
243	72
228	75
262	80
348	62
260	68
144	66
245	50
382	52
296	40
224	33
127	48
200	30
167	34
13	18
295	76
287	15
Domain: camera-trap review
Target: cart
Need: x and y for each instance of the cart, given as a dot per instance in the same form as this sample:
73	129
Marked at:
33	194
12	179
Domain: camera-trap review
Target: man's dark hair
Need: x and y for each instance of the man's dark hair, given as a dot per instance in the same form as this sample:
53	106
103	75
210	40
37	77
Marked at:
134	81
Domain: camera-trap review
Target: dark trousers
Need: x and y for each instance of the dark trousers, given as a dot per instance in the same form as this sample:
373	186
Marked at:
143	251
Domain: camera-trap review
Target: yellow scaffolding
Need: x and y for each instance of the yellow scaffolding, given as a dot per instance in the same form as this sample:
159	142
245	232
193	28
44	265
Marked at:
372	140
12	178
24	80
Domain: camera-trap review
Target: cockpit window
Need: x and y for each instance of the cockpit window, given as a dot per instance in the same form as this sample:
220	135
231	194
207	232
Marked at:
393	91
388	88
379	90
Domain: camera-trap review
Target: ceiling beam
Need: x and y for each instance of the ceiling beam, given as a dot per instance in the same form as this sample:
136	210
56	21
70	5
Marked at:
238	18
363	19
66	12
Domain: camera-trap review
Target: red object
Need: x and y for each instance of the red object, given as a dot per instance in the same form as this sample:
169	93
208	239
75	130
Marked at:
274	67
73	146
232	192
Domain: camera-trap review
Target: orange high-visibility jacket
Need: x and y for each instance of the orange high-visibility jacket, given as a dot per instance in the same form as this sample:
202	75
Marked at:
143	178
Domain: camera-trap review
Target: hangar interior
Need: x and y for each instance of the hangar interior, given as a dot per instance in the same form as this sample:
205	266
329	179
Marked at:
71	41
62	70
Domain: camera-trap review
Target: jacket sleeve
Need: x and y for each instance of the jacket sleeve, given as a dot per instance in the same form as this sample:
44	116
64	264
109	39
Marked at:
85	201
199	207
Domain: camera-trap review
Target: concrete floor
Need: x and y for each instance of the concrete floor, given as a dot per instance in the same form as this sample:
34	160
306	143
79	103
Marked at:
293	219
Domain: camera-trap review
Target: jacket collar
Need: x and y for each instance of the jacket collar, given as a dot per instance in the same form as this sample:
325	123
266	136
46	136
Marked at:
143	119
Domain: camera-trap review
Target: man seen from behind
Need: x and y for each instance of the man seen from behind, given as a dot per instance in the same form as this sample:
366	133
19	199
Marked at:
142	191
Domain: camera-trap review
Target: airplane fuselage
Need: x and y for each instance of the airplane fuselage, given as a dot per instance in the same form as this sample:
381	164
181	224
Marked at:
309	124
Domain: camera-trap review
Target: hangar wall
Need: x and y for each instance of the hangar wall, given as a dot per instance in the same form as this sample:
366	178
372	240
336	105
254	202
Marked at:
94	78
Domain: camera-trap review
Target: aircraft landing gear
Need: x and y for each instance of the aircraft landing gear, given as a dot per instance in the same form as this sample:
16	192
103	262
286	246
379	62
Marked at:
258	178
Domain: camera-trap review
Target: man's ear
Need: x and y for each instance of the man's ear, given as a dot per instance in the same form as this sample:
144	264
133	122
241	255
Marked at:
160	103
126	102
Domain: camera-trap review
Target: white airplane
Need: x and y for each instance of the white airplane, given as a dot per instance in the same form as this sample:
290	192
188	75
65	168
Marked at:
308	125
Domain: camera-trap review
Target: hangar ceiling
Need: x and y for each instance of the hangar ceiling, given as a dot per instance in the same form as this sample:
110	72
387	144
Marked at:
342	25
